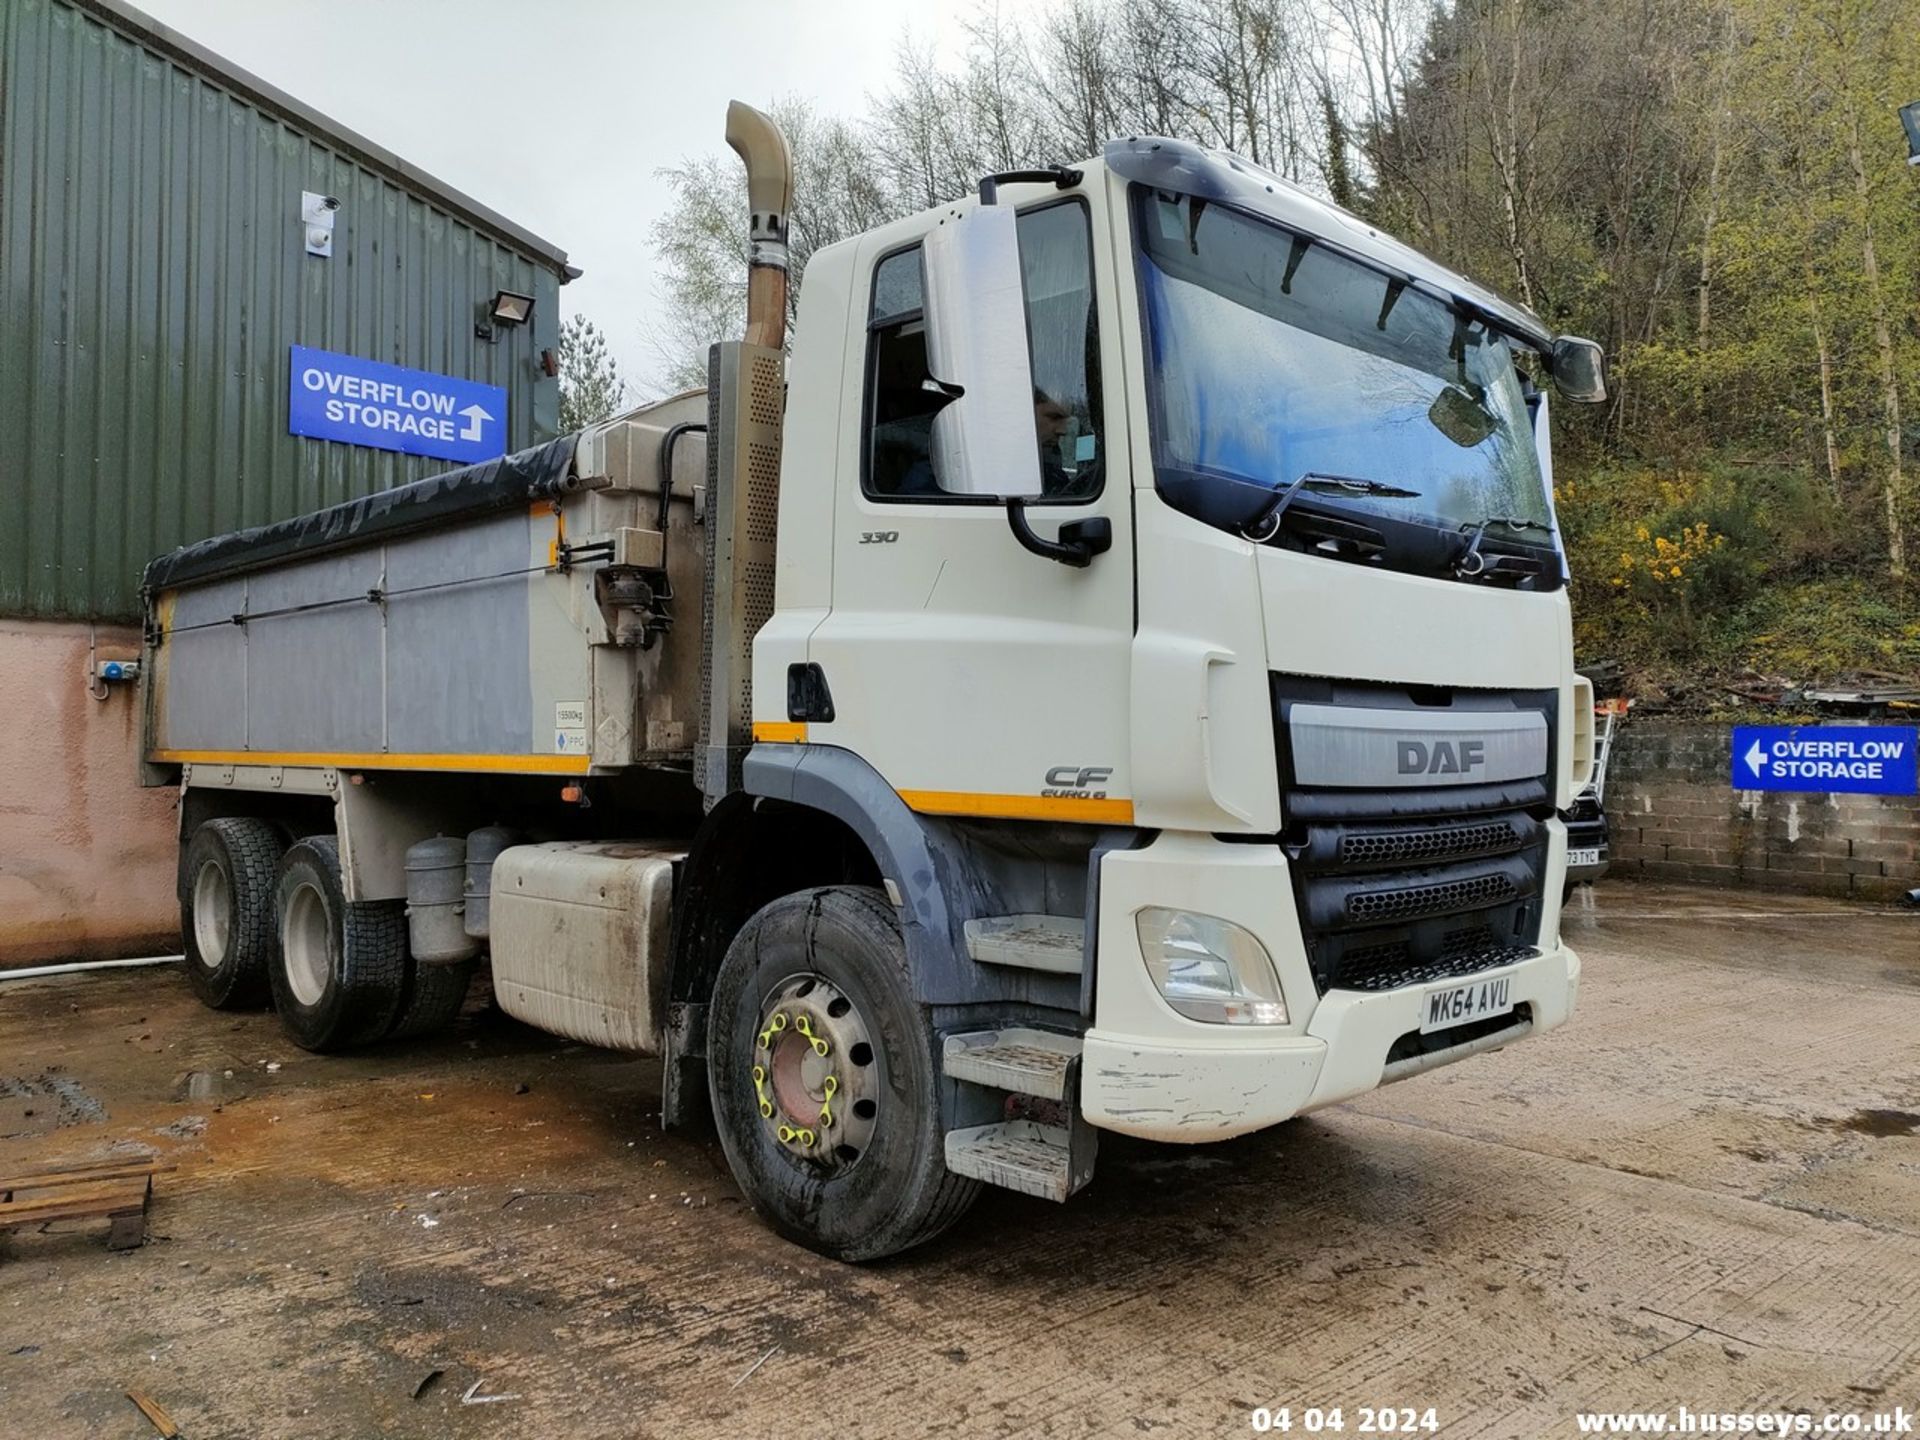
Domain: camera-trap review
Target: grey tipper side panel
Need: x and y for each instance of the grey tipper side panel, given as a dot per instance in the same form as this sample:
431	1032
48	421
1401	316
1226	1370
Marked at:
207	702
313	679
458	678
941	884
1377	749
443	671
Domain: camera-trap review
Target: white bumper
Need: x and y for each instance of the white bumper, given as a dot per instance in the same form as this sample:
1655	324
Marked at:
1150	1072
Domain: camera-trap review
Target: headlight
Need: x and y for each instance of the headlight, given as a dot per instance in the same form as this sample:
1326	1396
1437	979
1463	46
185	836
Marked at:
1210	969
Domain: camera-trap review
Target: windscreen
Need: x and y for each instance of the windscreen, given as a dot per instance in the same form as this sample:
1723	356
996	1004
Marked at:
1273	357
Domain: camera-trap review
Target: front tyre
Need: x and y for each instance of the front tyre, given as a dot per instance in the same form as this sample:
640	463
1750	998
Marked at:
339	977
825	1079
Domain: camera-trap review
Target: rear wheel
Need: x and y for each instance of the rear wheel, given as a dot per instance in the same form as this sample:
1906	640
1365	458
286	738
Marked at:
226	910
340	974
434	995
824	1077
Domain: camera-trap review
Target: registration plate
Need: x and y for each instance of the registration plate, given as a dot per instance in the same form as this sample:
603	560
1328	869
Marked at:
1584	857
1463	1004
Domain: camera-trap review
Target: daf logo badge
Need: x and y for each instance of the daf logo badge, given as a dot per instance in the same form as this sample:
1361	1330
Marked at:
1441	757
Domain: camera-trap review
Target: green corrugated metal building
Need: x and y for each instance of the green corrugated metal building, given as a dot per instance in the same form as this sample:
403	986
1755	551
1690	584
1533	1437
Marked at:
154	276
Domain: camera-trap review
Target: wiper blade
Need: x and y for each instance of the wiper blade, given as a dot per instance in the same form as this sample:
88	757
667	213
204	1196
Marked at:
1318	480
1472	563
1264	524
1509	522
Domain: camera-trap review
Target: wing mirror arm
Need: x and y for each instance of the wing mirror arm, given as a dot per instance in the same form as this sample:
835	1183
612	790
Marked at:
1079	542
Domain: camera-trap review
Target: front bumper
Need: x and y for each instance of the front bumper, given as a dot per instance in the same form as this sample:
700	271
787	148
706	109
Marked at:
1149	1072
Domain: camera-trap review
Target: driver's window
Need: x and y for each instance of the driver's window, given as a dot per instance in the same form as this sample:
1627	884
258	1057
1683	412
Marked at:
1057	271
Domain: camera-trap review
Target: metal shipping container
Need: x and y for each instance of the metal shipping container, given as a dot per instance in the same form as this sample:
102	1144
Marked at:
154	277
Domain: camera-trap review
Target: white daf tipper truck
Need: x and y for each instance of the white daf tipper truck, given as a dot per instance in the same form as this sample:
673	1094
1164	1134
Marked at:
1114	675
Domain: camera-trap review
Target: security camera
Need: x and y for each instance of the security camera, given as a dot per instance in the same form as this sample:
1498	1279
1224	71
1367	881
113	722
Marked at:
332	202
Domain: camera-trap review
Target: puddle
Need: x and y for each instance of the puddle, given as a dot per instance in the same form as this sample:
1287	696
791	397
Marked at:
217	1086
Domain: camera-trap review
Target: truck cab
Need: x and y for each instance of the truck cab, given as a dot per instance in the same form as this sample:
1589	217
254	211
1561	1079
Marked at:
1232	729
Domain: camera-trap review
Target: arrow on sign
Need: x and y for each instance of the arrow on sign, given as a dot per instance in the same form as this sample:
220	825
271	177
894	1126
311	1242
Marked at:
476	417
1756	759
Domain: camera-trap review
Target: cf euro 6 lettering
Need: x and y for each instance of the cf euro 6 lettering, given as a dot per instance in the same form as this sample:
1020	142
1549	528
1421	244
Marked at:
1077	782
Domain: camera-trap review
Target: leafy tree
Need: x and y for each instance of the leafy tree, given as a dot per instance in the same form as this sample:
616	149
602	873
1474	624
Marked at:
591	389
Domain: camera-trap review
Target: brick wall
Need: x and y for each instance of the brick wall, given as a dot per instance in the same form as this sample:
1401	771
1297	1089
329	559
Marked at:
1675	816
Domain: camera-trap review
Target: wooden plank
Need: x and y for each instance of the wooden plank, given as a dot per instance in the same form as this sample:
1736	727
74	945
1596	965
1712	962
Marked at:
124	1201
84	1174
156	1416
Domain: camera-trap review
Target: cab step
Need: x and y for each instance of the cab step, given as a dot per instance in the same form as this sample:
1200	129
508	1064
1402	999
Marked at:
1053	943
1016	1059
1024	1155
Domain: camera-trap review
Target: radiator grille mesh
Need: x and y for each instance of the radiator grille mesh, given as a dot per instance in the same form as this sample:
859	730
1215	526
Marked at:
1440	842
1380	907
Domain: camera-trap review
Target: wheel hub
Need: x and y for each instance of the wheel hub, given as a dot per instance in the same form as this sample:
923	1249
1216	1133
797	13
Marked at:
304	936
814	1076
212	917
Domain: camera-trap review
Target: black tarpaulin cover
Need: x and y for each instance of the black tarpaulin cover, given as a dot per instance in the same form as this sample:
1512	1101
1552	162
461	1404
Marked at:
471	490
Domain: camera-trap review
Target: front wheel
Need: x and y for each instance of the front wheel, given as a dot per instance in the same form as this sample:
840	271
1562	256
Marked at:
825	1078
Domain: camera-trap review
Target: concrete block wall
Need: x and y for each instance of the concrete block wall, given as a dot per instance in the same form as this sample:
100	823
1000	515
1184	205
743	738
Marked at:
1675	815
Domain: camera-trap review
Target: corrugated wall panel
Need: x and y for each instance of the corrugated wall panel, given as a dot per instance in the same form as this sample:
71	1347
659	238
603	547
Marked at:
153	276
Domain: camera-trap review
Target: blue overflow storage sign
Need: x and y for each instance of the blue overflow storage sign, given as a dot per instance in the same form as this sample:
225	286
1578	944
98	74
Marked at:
1826	759
389	407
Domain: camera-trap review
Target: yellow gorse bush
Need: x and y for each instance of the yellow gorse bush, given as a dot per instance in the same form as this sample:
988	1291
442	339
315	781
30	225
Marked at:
1664	559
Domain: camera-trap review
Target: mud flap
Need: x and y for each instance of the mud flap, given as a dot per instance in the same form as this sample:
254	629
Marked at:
686	1105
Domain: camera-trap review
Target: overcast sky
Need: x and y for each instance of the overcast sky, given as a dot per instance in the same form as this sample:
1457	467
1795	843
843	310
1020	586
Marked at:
557	113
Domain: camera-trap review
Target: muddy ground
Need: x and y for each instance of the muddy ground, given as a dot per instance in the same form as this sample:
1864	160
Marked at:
1706	1190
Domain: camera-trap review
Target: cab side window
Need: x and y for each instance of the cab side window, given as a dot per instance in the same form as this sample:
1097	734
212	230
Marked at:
900	408
1057	272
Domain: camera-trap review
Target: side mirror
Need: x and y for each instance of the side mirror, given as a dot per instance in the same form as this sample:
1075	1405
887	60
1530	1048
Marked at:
1579	370
976	317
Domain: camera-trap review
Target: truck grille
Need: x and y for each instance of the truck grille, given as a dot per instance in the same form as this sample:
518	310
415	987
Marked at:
1463	952
1423	881
1406	847
1412	902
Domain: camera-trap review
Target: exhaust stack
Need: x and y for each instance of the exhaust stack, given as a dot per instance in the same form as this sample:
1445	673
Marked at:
746	398
761	146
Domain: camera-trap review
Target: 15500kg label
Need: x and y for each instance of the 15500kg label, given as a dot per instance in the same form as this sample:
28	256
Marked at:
570	727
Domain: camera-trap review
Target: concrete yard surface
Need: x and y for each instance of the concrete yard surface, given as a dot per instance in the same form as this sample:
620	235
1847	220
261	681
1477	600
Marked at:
1704	1191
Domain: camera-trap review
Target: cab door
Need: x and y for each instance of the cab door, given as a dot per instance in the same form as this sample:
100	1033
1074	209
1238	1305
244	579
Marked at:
976	677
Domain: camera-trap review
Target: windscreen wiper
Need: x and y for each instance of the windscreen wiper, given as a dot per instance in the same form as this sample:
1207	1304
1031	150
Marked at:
1265	523
1471	562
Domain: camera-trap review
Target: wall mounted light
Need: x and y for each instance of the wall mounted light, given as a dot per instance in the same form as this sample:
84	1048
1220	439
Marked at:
510	308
